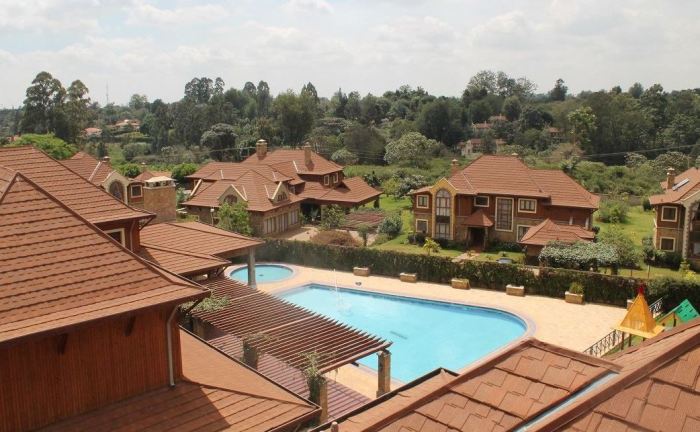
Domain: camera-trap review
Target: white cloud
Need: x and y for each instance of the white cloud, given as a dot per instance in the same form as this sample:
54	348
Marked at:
308	6
40	16
143	12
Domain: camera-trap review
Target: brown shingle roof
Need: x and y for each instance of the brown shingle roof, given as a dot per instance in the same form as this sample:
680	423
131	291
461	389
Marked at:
508	175
197	238
478	219
88	167
501	393
58	270
85	198
150	174
547	231
217	394
292	162
181	262
682	189
291	330
351	190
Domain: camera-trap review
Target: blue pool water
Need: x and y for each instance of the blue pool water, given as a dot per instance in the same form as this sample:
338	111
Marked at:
425	334
263	273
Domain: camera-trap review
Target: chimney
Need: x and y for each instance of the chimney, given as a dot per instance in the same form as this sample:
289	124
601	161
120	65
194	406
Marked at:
307	154
261	148
454	167
670	178
105	159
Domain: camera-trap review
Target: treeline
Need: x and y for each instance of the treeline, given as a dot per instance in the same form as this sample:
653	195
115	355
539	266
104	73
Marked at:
213	121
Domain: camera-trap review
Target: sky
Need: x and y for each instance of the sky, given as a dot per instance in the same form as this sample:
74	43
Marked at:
122	47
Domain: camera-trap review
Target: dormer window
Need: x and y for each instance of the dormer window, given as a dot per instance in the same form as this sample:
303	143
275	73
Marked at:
281	196
335	178
326	180
230	199
136	191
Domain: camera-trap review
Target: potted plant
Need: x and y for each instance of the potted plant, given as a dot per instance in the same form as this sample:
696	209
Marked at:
574	294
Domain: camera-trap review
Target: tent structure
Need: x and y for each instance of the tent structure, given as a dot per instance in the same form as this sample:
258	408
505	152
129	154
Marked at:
680	314
639	320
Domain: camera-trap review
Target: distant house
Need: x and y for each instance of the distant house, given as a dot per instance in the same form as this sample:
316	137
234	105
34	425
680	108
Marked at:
475	146
126	125
677	219
156	194
92	133
500	198
277	186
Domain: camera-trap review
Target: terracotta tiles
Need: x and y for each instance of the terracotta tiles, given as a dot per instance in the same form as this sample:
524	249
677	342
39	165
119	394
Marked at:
548	231
181	262
88	200
89	168
681	190
59	270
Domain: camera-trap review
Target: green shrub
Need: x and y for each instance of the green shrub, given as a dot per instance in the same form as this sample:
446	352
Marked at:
576	288
391	225
613	211
646	205
332	217
580	255
332	237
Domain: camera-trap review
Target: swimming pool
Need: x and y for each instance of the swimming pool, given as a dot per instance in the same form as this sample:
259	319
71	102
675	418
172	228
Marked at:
425	334
263	273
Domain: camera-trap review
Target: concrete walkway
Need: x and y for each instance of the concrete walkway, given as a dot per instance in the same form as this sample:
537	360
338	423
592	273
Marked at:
549	319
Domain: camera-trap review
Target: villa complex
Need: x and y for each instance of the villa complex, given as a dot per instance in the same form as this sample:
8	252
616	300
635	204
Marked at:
278	187
500	198
677	221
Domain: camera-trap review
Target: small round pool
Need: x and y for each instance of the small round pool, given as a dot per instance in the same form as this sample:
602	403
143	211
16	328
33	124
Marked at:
263	273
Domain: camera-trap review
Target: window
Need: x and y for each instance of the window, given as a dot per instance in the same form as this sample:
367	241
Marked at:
281	196
504	214
136	191
527	205
269	225
667	244
422	226
326	180
230	199
292	189
481	201
335	178
442	230
669	214
443	203
522	230
117	190
117	235
422	201
293	217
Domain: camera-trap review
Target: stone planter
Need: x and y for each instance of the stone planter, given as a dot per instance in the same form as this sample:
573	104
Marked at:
408	277
460	283
360	271
573	298
515	290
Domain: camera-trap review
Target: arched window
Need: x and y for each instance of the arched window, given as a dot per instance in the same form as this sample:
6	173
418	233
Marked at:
117	190
443	203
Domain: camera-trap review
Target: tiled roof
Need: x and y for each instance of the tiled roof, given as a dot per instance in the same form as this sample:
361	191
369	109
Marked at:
341	399
146	175
216	394
685	185
351	190
478	219
196	238
180	261
508	175
547	231
86	199
291	161
58	270
88	167
502	393
290	330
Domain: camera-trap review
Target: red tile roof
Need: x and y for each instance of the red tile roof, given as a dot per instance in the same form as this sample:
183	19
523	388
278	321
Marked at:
291	330
85	198
197	238
292	162
502	393
478	219
352	190
341	399
216	394
181	262
686	184
150	174
89	168
58	270
548	231
508	175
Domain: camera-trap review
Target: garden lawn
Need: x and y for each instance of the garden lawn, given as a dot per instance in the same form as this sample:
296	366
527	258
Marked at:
639	225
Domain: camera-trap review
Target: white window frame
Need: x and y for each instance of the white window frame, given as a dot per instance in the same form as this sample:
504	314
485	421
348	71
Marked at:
517	229
488	201
512	214
427	201
449	230
675	218
131	189
122	233
520	210
326	180
661	240
335	178
427	225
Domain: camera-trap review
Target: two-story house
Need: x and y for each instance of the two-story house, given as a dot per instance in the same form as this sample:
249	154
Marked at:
278	186
499	198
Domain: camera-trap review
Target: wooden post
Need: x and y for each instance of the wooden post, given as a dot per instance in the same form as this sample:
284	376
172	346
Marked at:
384	372
323	400
251	268
251	355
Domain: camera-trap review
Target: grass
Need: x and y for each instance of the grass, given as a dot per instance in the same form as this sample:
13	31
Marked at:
435	169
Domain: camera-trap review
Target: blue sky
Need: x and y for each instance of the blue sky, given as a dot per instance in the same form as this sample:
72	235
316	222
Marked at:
155	47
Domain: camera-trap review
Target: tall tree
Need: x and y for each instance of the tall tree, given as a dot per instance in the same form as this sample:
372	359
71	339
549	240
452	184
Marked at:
264	99
558	93
294	115
42	105
77	109
583	124
441	120
221	141
512	108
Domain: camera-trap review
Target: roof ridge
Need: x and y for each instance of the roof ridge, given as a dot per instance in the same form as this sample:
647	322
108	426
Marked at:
182	252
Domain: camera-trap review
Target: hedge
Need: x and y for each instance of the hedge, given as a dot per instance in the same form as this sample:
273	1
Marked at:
550	282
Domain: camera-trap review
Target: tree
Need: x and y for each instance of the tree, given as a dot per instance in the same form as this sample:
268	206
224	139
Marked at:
391	225
344	157
263	98
221	141
181	171
583	124
294	116
137	101
534	118
366	142
636	90
41	107
558	93
332	217
627	252
441	120
353	108
412	149
431	246
130	170
512	108
363	231
48	143
77	109
479	111
235	218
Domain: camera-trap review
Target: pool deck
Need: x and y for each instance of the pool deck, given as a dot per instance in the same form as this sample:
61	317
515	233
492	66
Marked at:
551	320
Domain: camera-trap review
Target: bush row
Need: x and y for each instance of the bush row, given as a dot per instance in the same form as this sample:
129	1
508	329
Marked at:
599	288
